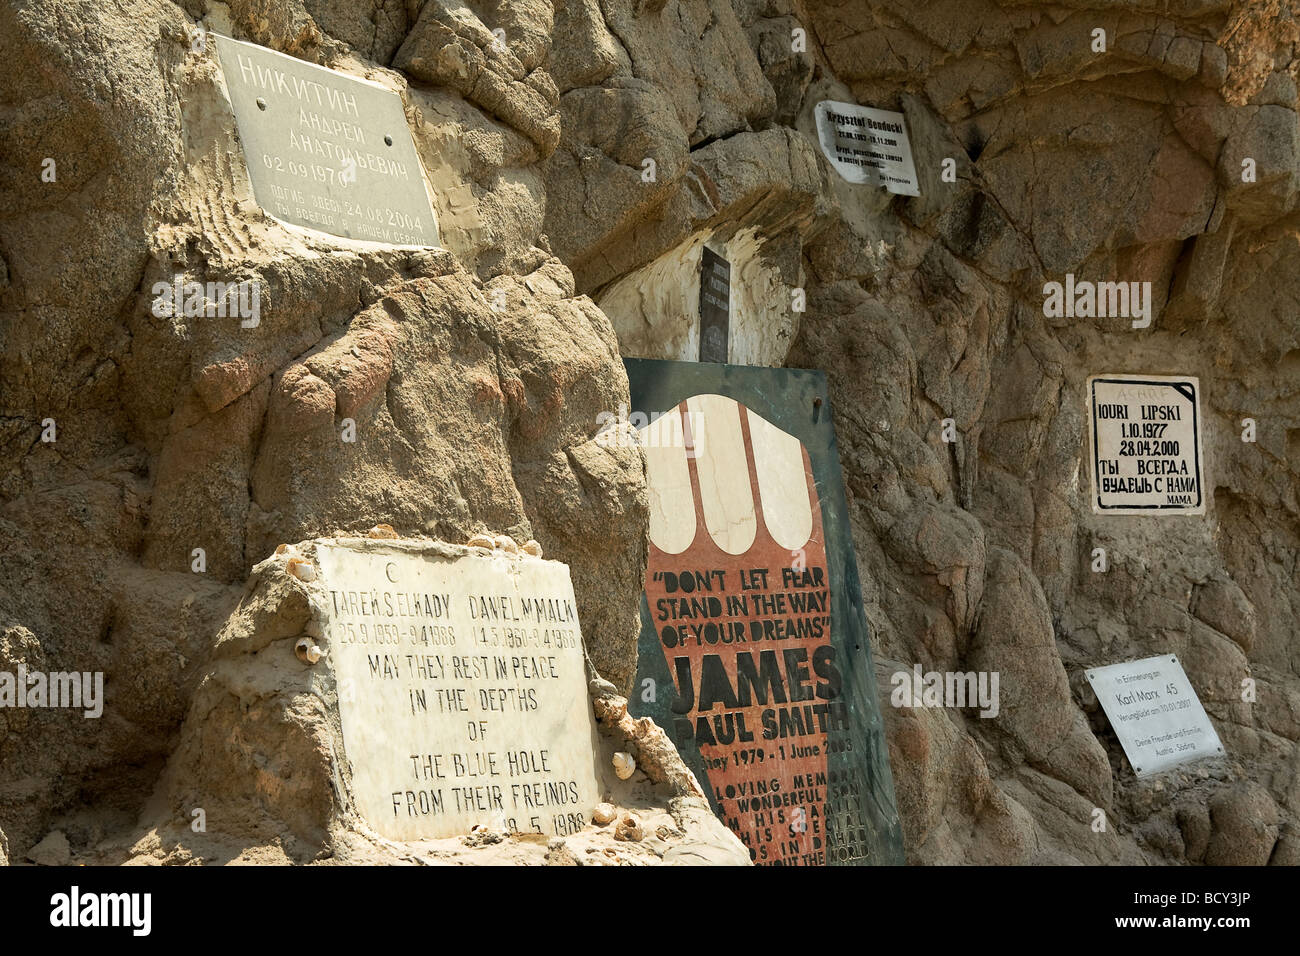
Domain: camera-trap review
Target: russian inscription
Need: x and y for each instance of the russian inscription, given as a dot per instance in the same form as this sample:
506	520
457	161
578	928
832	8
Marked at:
327	151
1146	445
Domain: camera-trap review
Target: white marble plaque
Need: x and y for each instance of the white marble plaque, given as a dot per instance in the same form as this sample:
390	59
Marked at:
1146	445
1155	713
462	691
867	145
327	151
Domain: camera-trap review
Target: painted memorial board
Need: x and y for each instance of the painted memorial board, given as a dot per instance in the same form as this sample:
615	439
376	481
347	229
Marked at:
1155	712
867	145
754	652
327	151
1145	436
715	306
462	691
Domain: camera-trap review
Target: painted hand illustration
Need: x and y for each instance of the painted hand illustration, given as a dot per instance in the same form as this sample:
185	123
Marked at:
739	593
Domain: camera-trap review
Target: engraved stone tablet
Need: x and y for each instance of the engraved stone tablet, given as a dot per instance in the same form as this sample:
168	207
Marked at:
867	145
1146	445
462	691
715	306
1155	713
327	151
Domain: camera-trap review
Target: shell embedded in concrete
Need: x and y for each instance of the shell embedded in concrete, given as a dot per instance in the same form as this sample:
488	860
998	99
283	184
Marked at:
604	813
624	765
302	569
307	650
629	828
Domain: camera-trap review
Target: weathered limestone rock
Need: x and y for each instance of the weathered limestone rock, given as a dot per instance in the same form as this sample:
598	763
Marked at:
472	378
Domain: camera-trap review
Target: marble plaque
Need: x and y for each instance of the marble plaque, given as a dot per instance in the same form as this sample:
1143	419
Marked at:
1155	713
327	151
867	145
462	691
1146	445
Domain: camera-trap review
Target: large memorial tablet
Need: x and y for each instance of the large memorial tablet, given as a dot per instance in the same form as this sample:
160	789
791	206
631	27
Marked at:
462	691
1146	445
325	150
867	145
715	306
754	653
1155	713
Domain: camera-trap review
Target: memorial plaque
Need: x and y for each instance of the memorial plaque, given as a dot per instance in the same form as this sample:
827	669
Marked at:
462	691
754	652
867	145
1155	713
715	307
327	151
1146	445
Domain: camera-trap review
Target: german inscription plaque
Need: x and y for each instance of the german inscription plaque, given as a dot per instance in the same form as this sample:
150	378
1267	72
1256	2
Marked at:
327	151
1155	713
462	691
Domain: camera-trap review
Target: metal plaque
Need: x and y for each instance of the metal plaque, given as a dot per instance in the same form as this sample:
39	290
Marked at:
867	145
715	306
1155	713
754	650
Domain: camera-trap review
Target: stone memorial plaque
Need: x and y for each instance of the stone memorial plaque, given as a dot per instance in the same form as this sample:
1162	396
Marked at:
715	307
754	653
867	145
1155	713
325	150
1146	445
462	691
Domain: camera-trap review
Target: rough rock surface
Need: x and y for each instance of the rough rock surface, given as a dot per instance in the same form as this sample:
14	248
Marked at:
474	375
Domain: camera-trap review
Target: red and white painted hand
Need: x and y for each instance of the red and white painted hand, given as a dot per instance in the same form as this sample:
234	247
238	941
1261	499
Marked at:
738	591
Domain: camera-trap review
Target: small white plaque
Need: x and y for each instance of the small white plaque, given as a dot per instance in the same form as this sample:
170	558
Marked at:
1146	445
462	691
1155	713
867	145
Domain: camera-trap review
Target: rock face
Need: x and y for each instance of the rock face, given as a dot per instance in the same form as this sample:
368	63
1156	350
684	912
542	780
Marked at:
582	152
